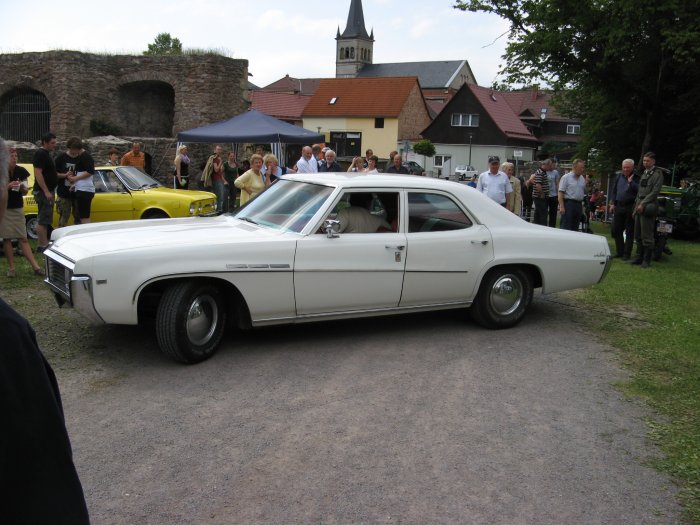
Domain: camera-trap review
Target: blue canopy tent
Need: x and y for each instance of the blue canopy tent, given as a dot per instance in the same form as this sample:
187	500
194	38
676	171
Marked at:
249	128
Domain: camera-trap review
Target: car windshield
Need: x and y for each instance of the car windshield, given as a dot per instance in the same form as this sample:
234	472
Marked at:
135	179
286	205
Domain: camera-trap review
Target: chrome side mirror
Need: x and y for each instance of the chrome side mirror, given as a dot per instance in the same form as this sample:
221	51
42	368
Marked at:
331	226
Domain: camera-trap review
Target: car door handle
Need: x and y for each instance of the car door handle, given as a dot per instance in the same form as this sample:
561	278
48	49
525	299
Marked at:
399	247
484	242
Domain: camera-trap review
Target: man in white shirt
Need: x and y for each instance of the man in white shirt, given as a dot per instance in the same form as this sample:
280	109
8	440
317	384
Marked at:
572	190
307	163
494	183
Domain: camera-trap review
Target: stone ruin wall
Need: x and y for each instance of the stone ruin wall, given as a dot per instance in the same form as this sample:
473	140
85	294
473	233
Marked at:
148	98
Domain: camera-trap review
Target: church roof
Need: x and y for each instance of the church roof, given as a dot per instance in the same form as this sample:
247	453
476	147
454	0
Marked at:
355	27
437	74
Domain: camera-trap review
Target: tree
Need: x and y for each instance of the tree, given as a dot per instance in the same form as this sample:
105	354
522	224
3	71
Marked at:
625	67
164	44
424	147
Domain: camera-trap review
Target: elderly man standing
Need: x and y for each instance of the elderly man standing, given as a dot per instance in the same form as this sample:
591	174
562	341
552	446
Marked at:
329	164
135	157
494	183
623	191
572	190
307	163
37	476
646	207
397	166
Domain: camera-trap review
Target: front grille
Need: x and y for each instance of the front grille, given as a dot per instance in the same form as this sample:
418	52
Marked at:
59	276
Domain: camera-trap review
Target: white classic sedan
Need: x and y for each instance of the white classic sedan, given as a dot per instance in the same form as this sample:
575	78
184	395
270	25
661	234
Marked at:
315	247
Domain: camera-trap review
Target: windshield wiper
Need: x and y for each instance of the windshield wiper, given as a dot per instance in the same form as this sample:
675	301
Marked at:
248	219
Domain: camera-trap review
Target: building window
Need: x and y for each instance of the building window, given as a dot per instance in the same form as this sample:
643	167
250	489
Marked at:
379	122
439	161
352	52
470	120
346	144
573	129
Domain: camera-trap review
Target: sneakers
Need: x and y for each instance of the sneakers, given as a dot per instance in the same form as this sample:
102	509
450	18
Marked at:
39	272
11	273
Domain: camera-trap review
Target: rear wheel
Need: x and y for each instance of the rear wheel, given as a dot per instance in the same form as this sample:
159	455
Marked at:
32	223
504	295
190	321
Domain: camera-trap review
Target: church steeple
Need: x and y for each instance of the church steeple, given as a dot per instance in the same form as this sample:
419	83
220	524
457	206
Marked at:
355	27
354	47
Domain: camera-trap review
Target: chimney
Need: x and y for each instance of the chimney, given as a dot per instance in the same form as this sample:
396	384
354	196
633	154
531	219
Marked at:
535	89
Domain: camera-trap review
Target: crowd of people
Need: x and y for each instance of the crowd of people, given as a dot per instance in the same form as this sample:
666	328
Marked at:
545	197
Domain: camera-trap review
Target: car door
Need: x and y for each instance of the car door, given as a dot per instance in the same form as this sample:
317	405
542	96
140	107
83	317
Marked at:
351	271
112	201
445	252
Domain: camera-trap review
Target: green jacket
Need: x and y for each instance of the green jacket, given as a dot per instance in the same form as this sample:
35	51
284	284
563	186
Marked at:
649	186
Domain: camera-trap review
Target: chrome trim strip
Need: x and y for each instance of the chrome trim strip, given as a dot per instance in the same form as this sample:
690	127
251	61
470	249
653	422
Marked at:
305	318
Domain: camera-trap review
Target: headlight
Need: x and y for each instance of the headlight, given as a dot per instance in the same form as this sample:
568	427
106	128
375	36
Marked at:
193	208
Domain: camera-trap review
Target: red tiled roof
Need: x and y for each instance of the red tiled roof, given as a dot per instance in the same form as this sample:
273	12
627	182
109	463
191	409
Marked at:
532	100
284	106
360	97
287	84
501	112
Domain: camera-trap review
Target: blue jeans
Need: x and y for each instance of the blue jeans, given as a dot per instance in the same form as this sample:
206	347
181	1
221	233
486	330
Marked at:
221	192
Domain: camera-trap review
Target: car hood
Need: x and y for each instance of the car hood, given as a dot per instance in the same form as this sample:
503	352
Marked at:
86	240
187	195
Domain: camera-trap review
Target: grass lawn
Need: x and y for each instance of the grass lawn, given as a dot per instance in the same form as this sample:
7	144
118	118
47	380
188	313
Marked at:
653	317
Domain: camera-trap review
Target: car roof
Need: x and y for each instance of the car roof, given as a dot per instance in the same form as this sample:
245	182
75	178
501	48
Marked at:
357	180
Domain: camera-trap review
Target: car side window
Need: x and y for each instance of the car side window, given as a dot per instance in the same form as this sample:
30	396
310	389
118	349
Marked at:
112	182
432	212
100	186
367	212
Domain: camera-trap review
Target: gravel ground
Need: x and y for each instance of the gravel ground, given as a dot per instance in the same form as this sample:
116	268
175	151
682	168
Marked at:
414	419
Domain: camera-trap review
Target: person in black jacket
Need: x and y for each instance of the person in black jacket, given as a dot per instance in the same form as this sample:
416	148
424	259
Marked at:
38	480
623	191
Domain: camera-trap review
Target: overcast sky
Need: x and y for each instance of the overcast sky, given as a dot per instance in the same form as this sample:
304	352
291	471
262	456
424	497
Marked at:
277	37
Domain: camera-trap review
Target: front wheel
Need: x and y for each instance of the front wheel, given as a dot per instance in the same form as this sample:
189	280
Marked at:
504	295
190	321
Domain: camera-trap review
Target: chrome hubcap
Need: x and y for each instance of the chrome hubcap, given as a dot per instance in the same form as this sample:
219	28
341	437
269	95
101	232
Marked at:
202	319
506	295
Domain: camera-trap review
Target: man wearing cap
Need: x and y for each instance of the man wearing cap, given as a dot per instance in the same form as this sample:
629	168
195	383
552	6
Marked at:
646	207
494	183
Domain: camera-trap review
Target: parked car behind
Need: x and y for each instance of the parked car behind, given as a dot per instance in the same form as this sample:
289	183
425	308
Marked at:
124	193
464	172
414	167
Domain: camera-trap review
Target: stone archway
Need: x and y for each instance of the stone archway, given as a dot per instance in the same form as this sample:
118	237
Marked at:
25	114
147	108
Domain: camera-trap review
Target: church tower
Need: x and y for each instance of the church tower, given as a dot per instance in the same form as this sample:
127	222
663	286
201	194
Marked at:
354	48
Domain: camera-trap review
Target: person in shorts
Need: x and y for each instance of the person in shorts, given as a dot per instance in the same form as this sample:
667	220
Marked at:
45	182
65	190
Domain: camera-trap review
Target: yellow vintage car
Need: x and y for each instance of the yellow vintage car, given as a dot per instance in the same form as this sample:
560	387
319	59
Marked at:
124	193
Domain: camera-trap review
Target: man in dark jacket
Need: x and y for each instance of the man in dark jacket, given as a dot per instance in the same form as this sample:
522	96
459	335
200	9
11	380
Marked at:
329	163
623	191
38	481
